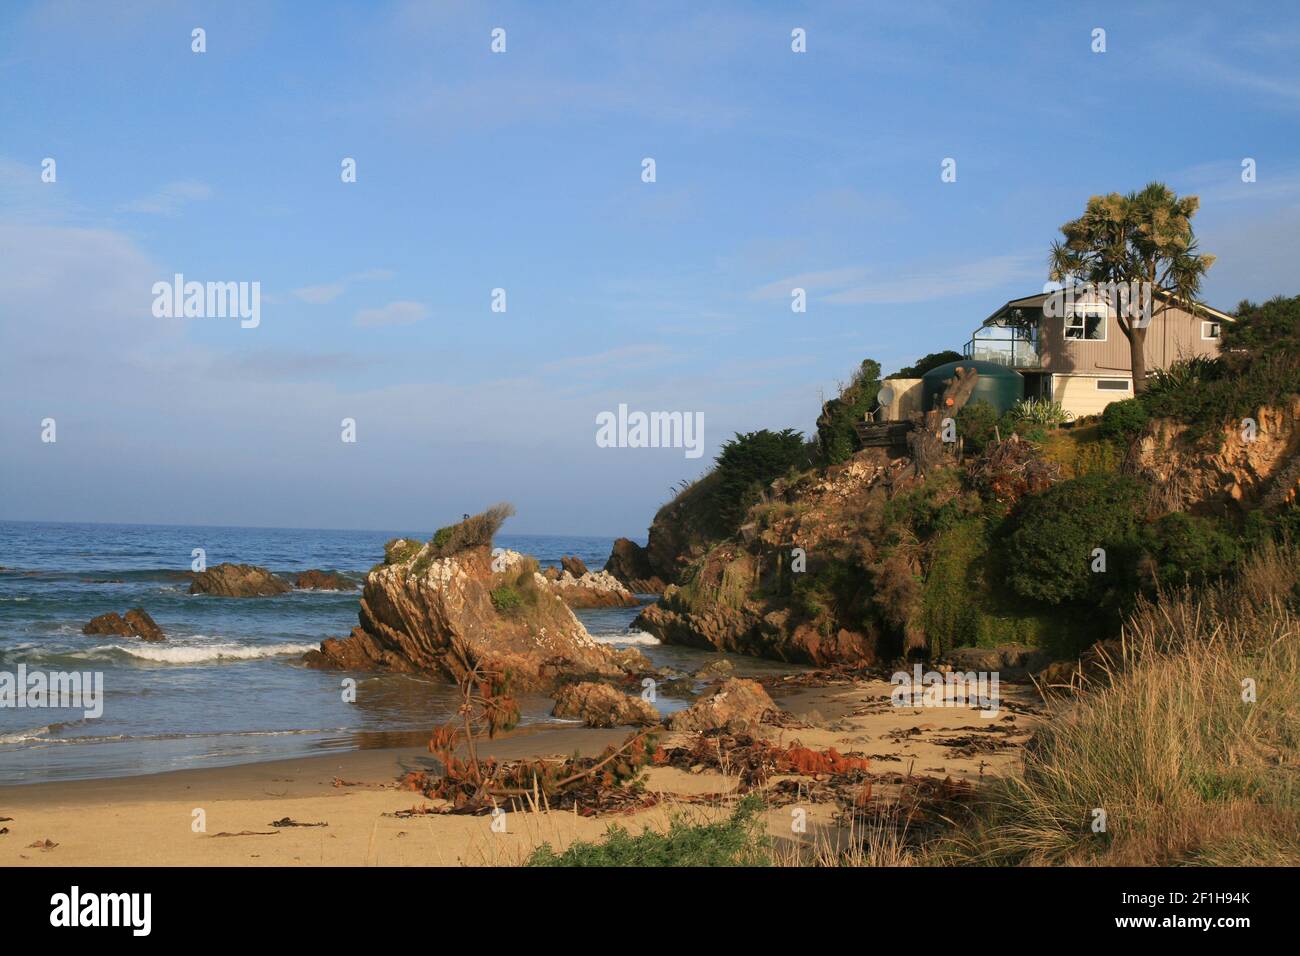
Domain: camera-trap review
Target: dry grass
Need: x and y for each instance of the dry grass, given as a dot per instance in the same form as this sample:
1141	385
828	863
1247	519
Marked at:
1186	771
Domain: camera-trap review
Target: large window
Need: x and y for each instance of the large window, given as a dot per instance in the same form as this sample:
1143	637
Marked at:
1209	331
1086	323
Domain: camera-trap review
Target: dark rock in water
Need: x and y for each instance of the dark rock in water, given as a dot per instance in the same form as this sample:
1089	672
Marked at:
574	565
599	705
136	623
110	623
143	626
314	580
630	563
238	580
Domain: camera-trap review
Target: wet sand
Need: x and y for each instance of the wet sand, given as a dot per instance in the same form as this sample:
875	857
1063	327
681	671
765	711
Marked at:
152	820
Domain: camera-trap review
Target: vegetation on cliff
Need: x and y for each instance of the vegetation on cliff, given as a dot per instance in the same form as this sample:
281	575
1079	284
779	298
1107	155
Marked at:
852	556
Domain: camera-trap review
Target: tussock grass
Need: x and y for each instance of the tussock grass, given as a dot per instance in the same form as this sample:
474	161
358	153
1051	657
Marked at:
1186	771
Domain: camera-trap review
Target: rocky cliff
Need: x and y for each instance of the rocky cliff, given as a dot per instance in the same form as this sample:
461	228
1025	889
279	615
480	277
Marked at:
1230	469
417	605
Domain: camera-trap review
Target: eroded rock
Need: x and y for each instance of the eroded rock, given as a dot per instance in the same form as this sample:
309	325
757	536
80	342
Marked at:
238	580
737	706
417	607
315	580
599	705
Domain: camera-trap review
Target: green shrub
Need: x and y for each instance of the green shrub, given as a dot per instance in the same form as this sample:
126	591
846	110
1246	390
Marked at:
1183	374
1041	411
1124	420
736	841
1262	330
475	531
506	598
976	425
745	467
1188	549
1050	547
837	436
923	365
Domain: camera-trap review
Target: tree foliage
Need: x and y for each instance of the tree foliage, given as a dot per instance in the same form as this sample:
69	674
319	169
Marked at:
746	465
1143	237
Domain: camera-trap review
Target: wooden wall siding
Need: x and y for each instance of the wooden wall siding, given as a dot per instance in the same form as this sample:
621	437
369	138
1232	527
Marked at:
1174	334
1079	394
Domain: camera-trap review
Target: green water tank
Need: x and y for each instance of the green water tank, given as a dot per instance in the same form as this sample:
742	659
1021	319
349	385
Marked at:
996	384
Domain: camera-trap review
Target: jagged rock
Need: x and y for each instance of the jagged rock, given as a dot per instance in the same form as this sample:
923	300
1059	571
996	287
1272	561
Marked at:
111	623
238	580
415	608
1227	471
630	563
143	626
136	623
314	580
574	565
599	705
738	705
715	669
593	589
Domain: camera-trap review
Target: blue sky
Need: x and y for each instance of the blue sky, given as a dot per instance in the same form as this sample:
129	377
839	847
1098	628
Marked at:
522	171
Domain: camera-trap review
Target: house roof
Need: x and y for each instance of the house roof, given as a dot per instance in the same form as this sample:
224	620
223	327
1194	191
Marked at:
1036	301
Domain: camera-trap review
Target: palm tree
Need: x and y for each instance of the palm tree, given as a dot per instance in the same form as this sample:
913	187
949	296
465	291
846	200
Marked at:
1143	237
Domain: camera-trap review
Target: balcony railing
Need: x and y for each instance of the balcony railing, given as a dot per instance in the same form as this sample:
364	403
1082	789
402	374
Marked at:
1005	346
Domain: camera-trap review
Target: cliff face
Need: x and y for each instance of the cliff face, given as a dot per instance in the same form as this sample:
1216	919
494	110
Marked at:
1227	471
748	595
414	608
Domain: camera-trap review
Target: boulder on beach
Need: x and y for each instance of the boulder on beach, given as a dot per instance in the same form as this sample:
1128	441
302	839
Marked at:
136	623
599	705
315	580
738	705
428	602
238	580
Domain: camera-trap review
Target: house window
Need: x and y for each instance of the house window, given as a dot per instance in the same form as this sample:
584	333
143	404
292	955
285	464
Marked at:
1209	331
1112	384
1086	324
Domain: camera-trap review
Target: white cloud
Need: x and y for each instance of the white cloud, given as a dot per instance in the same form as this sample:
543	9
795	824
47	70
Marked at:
858	285
395	313
329	291
168	200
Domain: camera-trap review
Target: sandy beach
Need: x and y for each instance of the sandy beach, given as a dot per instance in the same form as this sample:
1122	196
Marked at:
151	819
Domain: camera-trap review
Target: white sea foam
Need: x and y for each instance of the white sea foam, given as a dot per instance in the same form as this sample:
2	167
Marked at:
627	637
204	653
34	733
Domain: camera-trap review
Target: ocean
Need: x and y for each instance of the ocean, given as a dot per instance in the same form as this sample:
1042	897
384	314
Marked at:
228	685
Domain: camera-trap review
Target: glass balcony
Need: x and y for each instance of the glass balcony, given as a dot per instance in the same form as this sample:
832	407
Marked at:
1005	345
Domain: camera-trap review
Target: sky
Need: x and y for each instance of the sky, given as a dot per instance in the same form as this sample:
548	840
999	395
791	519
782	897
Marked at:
523	170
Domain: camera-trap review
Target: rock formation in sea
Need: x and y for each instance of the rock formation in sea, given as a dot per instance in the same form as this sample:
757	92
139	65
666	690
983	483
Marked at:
135	623
315	580
630	564
238	580
428	596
